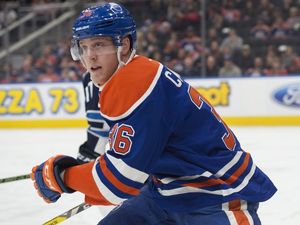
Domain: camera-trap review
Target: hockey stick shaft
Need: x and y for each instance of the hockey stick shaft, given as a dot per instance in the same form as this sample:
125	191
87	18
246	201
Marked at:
66	215
15	178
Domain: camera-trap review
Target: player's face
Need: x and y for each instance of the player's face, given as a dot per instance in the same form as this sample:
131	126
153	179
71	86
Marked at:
99	56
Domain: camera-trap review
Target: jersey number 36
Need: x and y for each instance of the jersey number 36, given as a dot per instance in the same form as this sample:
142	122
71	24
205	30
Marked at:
119	138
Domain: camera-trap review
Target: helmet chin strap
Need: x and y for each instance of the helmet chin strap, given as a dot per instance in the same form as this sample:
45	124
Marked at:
121	63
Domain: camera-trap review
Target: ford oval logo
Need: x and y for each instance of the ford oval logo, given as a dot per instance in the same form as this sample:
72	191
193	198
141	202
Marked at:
288	95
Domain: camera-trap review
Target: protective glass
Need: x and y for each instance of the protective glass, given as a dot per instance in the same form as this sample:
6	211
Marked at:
98	48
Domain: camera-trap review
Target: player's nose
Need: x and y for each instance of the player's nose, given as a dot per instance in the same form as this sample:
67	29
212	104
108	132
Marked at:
91	54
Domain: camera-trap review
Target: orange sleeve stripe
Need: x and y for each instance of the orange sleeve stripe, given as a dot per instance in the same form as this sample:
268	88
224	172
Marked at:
112	179
208	183
235	207
132	80
80	178
230	180
239	171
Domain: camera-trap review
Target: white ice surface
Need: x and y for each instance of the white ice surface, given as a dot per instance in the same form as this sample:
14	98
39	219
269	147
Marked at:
276	150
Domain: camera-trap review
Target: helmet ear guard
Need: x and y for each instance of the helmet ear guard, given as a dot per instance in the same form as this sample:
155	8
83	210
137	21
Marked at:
74	50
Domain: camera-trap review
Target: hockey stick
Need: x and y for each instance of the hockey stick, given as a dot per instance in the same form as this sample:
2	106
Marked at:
66	215
15	178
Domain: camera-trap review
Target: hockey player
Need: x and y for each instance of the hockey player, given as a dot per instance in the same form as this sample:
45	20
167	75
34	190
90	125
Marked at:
97	132
161	129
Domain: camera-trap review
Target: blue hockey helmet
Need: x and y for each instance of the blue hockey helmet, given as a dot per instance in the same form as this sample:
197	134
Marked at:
109	19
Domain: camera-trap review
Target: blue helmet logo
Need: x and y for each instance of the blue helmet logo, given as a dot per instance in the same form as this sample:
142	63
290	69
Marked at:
288	95
85	13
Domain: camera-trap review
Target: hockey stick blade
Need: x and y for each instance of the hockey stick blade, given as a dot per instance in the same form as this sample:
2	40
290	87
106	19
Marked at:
15	178
66	215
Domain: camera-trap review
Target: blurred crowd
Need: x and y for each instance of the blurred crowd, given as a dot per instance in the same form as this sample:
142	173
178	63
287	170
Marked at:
242	38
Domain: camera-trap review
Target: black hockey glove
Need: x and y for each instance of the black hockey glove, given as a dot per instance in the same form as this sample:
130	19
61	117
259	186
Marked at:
85	154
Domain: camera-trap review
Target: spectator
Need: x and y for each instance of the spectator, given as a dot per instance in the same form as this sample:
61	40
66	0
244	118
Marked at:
214	51
69	75
261	31
212	68
47	58
295	67
7	73
232	41
172	9
285	7
188	14
294	18
248	13
155	9
276	68
290	60
191	39
244	59
271	56
265	10
225	54
191	67
49	75
27	73
229	69
280	30
213	35
150	44
177	63
62	49
170	50
231	14
258	69
163	33
215	18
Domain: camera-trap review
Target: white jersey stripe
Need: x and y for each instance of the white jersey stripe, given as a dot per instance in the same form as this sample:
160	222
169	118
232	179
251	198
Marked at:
244	208
184	190
229	214
249	217
169	179
220	173
128	171
225	206
92	111
229	165
110	196
244	205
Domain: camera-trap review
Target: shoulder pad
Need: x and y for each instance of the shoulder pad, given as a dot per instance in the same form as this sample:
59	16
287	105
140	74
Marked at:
129	87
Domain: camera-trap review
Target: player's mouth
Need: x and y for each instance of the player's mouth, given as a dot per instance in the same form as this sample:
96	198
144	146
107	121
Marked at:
95	68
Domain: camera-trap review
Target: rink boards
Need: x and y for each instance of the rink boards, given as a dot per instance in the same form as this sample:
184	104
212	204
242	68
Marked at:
240	101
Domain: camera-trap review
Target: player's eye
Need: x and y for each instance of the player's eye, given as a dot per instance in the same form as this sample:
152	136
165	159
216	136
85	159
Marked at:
98	45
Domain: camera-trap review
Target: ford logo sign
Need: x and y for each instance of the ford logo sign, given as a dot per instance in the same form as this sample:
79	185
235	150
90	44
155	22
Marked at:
288	95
